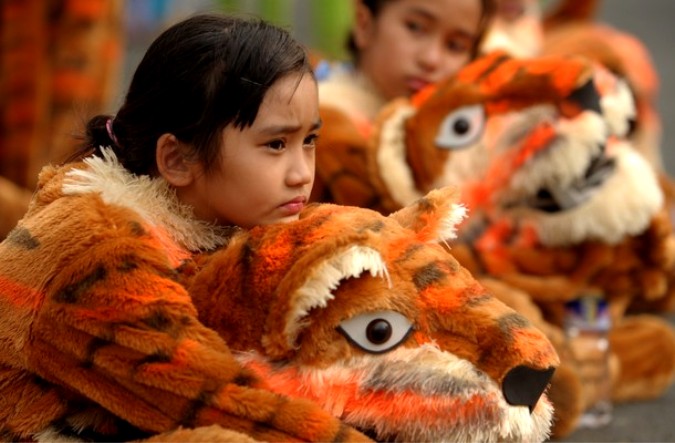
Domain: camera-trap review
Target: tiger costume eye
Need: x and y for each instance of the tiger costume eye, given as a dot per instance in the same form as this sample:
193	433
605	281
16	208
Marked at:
378	331
461	126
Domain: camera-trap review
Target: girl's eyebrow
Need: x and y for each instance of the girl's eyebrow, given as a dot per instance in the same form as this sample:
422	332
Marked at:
287	129
421	12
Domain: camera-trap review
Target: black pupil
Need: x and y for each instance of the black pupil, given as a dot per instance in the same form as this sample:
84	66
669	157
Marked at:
461	126
378	331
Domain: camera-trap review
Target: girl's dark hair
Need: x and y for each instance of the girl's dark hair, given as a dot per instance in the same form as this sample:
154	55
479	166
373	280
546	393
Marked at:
488	8
197	77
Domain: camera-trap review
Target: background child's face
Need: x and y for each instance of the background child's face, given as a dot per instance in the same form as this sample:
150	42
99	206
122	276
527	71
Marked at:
266	171
412	43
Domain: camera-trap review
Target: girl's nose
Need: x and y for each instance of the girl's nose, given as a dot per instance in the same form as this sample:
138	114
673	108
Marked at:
301	170
431	55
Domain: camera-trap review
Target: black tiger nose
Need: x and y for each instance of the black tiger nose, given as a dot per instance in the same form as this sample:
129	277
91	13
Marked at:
587	97
522	385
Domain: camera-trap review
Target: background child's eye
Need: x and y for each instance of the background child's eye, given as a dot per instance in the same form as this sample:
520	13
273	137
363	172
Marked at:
458	46
414	26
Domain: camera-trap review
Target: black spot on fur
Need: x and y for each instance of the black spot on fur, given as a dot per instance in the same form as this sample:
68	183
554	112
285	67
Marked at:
376	226
262	426
158	321
136	229
497	62
247	252
260	429
342	433
409	252
244	379
169	273
428	275
478	300
157	357
425	205
196	405
72	293
128	263
7	435
452	265
22	237
510	322
185	266
116	430
41	383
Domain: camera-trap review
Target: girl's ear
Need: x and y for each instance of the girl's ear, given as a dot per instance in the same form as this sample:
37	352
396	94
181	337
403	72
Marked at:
363	24
171	161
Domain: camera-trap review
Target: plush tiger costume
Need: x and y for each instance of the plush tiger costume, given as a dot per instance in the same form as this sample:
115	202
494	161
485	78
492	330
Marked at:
373	319
418	143
103	338
562	209
559	201
101	341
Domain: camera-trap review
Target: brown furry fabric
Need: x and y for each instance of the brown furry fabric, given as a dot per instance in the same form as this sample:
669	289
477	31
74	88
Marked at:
99	338
302	303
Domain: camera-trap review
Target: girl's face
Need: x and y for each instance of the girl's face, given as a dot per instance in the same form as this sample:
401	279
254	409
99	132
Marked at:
412	43
266	171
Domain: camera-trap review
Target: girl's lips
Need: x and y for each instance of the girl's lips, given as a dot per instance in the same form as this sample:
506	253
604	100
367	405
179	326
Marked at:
415	84
294	206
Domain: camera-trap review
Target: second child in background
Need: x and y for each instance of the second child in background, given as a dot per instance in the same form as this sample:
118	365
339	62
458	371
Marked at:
397	48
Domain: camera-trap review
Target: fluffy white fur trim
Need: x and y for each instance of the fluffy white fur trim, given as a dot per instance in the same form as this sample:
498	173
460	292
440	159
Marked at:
391	158
152	198
326	277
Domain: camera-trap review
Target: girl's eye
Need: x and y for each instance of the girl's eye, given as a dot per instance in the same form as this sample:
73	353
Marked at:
310	141
377	332
276	145
458	46
414	27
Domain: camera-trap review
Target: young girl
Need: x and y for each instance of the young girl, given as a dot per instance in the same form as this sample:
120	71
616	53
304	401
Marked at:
400	46
100	339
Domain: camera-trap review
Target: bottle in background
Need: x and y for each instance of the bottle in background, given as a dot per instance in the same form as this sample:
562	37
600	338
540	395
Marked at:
587	324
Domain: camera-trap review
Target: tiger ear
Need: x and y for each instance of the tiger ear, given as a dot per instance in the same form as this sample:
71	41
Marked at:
434	217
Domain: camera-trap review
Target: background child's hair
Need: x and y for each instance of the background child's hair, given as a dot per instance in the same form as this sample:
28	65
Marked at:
197	77
488	8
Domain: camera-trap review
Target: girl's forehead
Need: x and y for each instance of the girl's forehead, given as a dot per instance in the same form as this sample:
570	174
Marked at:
445	13
286	87
292	98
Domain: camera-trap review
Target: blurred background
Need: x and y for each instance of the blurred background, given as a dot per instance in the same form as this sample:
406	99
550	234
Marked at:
63	60
322	25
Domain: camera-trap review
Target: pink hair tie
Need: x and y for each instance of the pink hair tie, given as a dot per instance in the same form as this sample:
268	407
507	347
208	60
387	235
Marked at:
109	128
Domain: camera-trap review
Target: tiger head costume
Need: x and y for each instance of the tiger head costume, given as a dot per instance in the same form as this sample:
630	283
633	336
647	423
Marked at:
559	200
372	318
530	137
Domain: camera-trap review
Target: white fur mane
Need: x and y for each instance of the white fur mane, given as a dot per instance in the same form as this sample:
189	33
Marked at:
152	198
326	277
